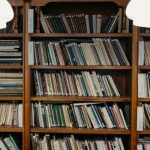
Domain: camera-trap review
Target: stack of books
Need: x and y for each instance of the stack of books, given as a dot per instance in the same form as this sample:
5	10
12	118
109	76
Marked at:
10	52
98	52
144	143
79	115
81	83
81	23
10	83
7	143
144	85
72	143
11	114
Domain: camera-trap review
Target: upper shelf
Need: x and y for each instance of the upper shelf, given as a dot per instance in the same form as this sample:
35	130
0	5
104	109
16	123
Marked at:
44	2
16	2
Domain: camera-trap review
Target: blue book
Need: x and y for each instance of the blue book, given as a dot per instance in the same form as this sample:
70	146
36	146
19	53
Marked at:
110	114
83	86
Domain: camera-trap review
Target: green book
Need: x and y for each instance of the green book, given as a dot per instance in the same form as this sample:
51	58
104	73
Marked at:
13	141
47	53
82	55
62	116
56	115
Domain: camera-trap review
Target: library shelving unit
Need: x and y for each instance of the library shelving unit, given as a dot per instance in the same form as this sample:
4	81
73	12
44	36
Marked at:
126	75
144	36
16	34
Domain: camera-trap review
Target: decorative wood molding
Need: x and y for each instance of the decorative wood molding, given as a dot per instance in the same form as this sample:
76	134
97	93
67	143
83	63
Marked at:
44	2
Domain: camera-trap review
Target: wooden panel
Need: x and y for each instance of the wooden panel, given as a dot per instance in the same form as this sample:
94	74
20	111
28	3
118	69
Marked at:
81	131
82	99
10	129
135	43
11	35
83	67
16	2
44	2
80	35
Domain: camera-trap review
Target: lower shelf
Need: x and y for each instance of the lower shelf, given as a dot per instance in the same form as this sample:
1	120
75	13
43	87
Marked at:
10	129
81	99
80	131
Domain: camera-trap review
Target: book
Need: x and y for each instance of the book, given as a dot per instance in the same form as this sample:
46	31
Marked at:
140	116
30	20
141	53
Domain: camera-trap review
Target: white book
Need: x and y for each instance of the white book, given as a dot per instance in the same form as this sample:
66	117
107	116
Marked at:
87	23
56	145
31	20
124	122
120	143
142	85
99	145
139	147
141	53
140	115
99	22
30	53
2	146
20	115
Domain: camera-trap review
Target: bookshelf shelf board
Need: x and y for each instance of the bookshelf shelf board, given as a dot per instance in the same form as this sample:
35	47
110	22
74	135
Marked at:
11	98
11	35
147	131
144	67
11	66
81	35
147	99
81	99
83	67
10	129
81	131
145	34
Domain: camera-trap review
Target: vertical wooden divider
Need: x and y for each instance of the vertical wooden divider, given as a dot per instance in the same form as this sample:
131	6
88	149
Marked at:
134	103
27	85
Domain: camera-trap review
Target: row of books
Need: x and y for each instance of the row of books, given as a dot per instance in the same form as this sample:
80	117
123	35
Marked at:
143	85
10	83
70	142
81	23
144	143
143	117
8	143
79	115
81	83
99	52
10	52
11	114
144	53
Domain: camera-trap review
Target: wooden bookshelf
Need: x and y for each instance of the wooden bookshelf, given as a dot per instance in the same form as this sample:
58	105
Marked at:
15	35
130	72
